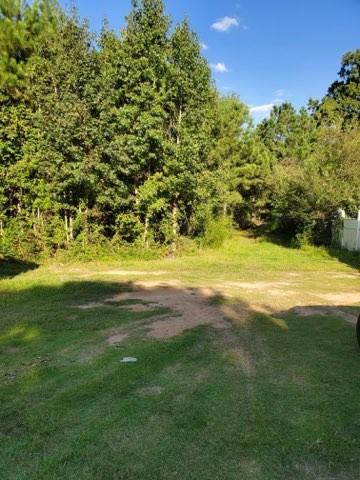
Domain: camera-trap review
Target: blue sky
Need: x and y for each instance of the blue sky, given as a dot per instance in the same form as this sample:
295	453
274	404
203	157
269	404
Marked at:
266	51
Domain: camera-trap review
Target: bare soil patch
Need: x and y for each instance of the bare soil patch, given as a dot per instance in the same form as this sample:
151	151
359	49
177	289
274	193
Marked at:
191	308
344	276
116	338
324	311
221	306
90	305
341	298
266	286
138	273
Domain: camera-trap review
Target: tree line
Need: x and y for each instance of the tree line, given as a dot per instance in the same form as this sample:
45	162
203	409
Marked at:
122	139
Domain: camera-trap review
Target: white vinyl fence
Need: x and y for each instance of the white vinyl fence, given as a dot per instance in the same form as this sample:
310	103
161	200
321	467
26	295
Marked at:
349	232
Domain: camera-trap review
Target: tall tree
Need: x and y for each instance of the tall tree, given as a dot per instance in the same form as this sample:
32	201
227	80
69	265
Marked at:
142	70
23	28
225	156
64	158
190	97
288	134
342	102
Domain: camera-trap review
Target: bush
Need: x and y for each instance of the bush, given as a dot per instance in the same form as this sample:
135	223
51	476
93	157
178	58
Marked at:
216	232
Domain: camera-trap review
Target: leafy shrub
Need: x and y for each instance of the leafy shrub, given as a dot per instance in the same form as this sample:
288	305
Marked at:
128	227
216	232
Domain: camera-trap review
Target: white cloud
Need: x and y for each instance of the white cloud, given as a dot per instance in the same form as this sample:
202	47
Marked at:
262	109
260	112
204	46
223	24
280	93
219	67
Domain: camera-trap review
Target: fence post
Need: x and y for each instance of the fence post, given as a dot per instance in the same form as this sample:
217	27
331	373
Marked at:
342	215
357	247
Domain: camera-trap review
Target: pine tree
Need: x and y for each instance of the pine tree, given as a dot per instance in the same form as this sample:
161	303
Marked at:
64	154
23	28
189	101
142	73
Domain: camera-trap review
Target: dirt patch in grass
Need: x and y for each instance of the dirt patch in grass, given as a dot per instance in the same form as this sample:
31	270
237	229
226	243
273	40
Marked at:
310	311
344	276
190	308
222	324
138	307
325	311
90	305
221	306
266	286
237	313
341	298
116	338
135	305
138	273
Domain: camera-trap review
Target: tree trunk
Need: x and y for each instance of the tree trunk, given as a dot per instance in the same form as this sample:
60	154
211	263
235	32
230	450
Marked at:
146	231
71	232
179	125
67	229
136	197
175	227
86	236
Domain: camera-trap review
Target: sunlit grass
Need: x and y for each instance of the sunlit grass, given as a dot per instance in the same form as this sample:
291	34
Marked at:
274	397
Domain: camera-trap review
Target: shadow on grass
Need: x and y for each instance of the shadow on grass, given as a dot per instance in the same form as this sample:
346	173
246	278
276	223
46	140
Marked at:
243	395
350	258
10	267
280	239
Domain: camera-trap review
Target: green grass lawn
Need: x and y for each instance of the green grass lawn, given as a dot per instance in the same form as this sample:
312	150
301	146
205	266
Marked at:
275	396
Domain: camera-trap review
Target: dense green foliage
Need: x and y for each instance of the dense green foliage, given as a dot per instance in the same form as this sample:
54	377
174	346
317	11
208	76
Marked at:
123	139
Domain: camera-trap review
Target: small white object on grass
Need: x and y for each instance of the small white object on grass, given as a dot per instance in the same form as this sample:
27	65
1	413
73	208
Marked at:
129	360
